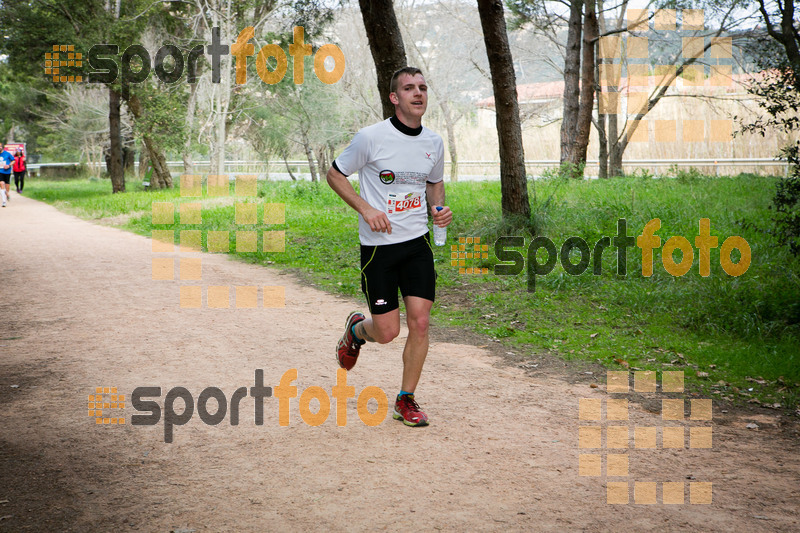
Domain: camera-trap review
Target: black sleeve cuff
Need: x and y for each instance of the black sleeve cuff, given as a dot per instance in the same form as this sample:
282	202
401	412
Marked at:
334	165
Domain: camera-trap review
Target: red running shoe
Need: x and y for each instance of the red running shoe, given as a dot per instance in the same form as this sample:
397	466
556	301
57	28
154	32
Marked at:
407	410
348	347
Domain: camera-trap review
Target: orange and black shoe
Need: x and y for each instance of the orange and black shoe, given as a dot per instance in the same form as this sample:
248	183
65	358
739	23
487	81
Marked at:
407	410
348	348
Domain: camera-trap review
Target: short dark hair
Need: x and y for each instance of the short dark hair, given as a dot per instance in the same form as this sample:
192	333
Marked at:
411	71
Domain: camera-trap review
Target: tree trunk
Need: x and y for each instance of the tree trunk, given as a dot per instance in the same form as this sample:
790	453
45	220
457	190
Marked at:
637	121
603	115
188	164
572	63
612	132
221	92
602	138
221	127
614	148
10	136
322	158
128	155
331	152
289	169
312	168
450	127
143	161
161	177
115	166
513	182
584	122
602	155
787	36
385	43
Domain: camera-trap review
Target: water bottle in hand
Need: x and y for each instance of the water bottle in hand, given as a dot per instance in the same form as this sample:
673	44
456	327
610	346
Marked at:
439	233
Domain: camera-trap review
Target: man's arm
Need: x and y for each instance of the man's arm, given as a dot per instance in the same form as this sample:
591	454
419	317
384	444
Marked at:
435	194
377	220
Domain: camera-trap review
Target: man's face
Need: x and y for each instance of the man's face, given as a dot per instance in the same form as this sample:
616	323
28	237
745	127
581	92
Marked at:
411	97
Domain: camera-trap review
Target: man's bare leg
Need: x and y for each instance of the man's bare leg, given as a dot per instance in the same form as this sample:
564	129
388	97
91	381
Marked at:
381	328
385	327
418	314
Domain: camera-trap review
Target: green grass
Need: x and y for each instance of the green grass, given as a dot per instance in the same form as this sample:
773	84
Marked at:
737	330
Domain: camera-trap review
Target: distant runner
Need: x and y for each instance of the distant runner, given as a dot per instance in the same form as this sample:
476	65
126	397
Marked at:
6	162
19	170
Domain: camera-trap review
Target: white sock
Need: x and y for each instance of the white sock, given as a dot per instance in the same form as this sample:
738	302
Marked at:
3	195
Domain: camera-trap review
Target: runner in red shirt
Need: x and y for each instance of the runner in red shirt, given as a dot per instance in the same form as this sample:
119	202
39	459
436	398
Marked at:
19	170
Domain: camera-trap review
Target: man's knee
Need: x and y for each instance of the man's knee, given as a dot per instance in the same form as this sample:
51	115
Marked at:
419	323
385	333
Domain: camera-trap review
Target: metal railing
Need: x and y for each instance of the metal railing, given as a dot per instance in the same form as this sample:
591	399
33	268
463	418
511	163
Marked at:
471	170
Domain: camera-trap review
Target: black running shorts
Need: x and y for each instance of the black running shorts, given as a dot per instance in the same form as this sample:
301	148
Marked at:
5	178
407	266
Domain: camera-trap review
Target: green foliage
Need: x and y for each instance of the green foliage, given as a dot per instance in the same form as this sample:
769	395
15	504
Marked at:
525	12
565	170
19	101
779	98
787	202
642	174
313	15
164	115
684	175
291	117
30	29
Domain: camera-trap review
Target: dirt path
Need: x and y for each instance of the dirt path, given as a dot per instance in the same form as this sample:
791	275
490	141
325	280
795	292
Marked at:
81	310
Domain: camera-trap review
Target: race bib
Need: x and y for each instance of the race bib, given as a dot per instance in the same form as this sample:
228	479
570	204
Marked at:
399	203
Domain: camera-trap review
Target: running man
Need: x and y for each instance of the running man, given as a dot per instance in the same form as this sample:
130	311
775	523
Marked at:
6	162
400	168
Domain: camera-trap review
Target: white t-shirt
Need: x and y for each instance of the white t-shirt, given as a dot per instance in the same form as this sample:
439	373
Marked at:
393	168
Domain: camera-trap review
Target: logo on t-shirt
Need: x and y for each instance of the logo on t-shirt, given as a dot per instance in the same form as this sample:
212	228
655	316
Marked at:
387	177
